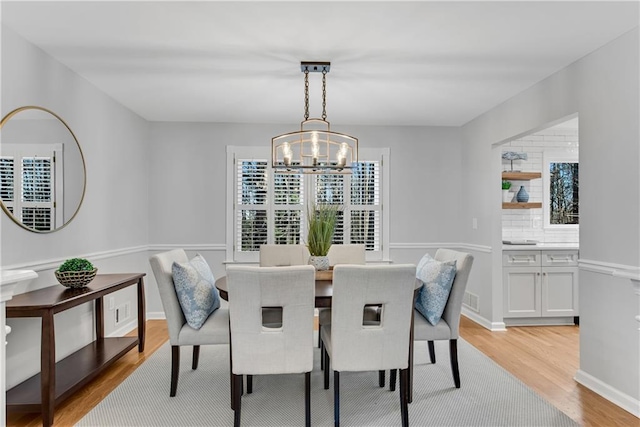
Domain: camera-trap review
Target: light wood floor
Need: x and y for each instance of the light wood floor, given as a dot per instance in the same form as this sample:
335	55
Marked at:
544	358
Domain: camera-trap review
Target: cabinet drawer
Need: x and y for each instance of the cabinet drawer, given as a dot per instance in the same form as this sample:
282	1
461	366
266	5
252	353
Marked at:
521	258
559	258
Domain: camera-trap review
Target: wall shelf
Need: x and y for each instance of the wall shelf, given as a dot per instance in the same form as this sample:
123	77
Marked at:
519	205
521	176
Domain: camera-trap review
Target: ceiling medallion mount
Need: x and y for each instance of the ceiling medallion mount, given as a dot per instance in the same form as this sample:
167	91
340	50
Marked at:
314	148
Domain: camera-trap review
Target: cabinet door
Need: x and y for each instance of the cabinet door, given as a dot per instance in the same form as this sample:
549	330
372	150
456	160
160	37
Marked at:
559	291
521	292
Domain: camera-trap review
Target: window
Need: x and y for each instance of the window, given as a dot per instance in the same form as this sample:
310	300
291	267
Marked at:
268	207
27	184
561	189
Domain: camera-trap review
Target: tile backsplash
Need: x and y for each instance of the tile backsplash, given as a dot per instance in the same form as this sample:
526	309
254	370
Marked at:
528	224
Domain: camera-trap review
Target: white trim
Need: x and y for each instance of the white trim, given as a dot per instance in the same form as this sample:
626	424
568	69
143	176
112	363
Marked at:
190	247
124	329
626	402
610	269
54	263
156	315
447	245
485	323
632	275
385	170
217	247
230	205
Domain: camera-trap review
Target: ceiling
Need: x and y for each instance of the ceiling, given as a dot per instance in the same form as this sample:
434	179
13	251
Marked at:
392	63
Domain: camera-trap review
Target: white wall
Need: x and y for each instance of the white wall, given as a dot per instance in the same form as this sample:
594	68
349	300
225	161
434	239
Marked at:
603	88
522	224
112	222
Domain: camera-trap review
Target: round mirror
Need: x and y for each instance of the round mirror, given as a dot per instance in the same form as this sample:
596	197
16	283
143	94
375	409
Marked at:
42	170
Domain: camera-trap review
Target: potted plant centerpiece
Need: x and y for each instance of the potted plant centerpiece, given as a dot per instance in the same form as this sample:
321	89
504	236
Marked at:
506	194
322	220
75	273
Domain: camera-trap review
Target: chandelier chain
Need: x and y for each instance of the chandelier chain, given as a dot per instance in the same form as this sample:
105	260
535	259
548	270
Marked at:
306	94
324	94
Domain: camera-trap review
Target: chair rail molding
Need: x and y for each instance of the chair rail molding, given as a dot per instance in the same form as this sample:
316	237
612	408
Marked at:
189	247
53	263
610	269
447	245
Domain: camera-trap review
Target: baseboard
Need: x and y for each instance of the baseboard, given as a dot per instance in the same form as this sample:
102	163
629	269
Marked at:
613	395
485	323
540	321
155	315
124	329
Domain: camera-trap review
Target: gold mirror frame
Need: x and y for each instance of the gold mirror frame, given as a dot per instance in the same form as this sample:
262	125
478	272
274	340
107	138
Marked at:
3	122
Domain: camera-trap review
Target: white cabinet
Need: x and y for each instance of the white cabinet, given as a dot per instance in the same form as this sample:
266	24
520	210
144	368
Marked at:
540	284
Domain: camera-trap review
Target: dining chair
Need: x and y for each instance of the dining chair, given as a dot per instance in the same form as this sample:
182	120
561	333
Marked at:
447	328
344	254
347	254
283	255
352	345
214	330
280	256
260	349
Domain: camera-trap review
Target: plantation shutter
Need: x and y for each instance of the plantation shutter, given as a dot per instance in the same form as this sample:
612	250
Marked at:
7	182
251	204
288	200
330	190
365	206
28	176
272	208
37	192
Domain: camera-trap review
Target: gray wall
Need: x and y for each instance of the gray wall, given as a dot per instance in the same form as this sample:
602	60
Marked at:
603	88
112	221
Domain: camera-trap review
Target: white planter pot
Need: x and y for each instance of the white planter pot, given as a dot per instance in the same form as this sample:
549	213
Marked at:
507	196
319	262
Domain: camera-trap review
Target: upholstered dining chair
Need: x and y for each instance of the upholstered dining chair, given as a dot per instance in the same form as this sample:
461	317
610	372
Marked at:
283	255
352	345
344	254
214	330
347	254
257	348
280	256
447	328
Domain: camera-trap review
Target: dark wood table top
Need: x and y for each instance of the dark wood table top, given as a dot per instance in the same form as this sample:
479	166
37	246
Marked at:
59	297
324	291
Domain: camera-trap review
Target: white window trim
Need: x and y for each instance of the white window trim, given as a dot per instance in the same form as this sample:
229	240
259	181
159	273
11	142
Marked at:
250	152
568	156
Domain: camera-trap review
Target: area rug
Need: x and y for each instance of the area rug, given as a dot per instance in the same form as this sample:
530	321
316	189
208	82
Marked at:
489	395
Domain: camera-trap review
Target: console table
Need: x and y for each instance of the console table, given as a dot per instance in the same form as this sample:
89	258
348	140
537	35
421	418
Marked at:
57	381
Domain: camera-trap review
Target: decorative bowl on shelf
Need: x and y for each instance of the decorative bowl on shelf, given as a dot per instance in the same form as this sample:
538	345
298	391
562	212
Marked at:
75	279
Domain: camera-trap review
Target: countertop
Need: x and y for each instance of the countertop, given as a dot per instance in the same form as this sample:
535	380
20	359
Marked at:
542	246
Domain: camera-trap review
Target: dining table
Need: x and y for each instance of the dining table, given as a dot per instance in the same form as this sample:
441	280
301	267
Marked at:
323	296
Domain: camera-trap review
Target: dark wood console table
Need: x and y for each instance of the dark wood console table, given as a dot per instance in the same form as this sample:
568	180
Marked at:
57	381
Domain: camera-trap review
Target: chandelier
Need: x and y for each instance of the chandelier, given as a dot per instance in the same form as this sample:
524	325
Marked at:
314	148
